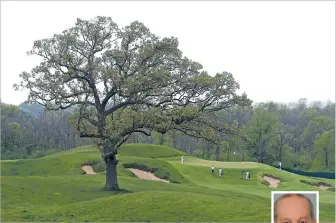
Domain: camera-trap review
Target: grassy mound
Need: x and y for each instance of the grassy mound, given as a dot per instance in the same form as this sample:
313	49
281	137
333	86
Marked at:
149	151
52	188
318	184
69	162
189	160
64	163
159	168
158	206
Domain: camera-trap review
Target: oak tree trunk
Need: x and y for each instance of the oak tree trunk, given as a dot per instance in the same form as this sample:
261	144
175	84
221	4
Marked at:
111	173
217	152
161	137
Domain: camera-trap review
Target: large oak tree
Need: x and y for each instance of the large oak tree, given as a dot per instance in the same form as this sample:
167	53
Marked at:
125	80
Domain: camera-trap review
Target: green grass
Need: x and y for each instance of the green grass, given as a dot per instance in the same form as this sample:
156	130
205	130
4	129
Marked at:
148	206
53	188
63	163
149	151
200	162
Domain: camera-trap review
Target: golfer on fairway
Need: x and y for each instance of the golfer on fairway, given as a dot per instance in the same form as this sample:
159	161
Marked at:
212	170
220	172
242	174
248	176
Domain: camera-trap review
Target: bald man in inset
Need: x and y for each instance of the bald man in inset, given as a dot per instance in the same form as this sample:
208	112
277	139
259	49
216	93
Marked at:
294	208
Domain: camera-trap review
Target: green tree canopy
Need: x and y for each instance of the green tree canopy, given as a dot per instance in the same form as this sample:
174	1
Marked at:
261	132
125	80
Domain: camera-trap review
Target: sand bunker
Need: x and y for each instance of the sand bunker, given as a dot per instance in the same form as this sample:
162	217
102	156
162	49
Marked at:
146	175
272	182
88	169
322	187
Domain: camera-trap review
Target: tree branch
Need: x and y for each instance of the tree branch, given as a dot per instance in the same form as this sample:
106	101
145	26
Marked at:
142	131
88	135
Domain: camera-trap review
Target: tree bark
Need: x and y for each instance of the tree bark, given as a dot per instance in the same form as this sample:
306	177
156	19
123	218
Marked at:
174	142
259	146
161	137
111	173
217	152
326	157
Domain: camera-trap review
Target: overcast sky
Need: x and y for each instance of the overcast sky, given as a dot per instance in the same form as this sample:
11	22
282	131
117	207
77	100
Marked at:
279	51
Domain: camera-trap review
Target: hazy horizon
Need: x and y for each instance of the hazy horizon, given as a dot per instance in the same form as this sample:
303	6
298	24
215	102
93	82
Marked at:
277	51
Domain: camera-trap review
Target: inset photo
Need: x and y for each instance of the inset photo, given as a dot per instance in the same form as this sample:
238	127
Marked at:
295	206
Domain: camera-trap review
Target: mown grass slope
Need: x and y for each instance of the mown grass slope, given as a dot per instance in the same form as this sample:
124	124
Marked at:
149	151
53	188
148	206
63	163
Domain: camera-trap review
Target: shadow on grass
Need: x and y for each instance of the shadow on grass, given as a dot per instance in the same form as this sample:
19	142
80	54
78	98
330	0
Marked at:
117	192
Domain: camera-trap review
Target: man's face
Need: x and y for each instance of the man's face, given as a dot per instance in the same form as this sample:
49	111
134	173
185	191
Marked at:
294	210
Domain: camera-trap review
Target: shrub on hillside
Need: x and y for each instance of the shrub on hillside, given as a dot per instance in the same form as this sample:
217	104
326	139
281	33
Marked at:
159	168
270	175
316	184
41	153
156	171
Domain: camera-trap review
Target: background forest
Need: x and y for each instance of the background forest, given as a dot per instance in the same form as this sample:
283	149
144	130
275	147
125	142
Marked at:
301	135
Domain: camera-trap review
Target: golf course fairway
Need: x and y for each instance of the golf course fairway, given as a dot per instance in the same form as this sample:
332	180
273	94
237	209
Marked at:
56	188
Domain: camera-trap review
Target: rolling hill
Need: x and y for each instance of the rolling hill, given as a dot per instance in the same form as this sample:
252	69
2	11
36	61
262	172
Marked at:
54	188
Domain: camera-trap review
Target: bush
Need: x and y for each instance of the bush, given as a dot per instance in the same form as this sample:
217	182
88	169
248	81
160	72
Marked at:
41	153
37	154
97	165
315	184
156	171
100	166
270	175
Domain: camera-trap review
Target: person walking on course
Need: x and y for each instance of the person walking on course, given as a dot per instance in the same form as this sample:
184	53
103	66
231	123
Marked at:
220	172
242	174
182	159
248	175
212	170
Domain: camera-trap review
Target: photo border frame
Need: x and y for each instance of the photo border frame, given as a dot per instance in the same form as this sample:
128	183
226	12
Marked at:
297	192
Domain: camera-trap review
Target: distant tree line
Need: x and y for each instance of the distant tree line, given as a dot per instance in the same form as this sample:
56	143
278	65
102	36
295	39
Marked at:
27	131
301	135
